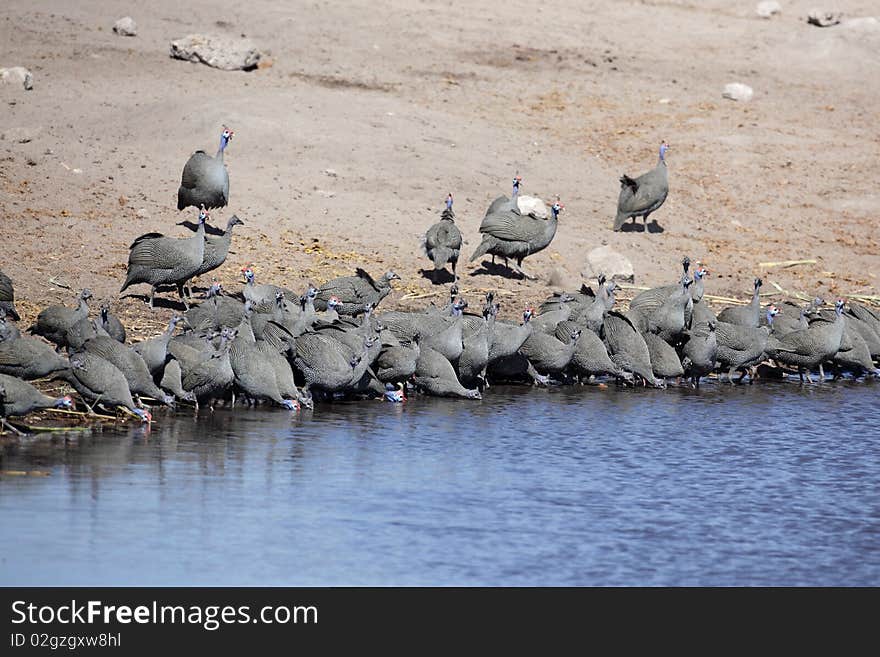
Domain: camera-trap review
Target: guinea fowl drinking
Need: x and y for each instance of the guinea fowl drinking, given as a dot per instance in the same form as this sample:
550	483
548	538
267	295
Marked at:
18	398
156	260
53	322
641	196
810	347
513	236
205	180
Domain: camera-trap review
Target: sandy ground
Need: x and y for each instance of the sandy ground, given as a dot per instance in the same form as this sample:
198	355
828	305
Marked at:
407	101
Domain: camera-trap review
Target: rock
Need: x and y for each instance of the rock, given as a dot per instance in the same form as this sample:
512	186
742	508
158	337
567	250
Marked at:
768	8
226	53
325	193
737	91
126	27
605	260
17	75
532	205
330	172
20	135
142	213
822	18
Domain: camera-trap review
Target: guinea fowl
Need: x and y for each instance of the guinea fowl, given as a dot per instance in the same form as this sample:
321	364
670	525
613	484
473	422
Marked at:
101	382
155	350
7	296
646	303
111	324
444	336
327	364
741	347
156	260
641	196
132	366
205	180
700	351
810	347
262	297
29	358
84	329
8	331
664	360
511	235
547	354
436	376
208	376
355	292
590	356
507	338
627	348
253	369
546	322
397	361
443	240
52	323
474	357
749	315
216	246
216	312
18	398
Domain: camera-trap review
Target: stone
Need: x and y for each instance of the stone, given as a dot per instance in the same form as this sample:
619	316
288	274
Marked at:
737	91
532	205
822	18
17	75
142	213
225	53
768	8
126	27
607	261
330	172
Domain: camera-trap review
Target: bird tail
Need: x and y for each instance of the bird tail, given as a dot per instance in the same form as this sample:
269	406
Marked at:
441	255
483	249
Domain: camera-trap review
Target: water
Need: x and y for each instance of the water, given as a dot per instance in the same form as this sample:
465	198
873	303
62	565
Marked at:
771	484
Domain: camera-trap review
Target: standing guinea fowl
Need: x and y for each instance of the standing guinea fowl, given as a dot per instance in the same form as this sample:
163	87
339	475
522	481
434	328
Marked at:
355	292
7	296
19	398
205	180
156	259
155	350
216	246
749	315
641	196
111	324
443	240
509	234
741	347
700	351
53	322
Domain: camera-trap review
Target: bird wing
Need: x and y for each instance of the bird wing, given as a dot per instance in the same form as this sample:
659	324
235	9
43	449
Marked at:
195	167
511	227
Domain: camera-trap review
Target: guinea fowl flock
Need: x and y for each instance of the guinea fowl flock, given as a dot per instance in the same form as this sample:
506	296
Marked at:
269	344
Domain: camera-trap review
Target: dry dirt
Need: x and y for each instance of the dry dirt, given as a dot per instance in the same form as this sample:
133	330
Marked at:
409	100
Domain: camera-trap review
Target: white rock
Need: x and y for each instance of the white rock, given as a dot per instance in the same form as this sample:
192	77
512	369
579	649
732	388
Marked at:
142	213
17	75
768	8
126	27
226	53
330	172
607	261
532	205
737	91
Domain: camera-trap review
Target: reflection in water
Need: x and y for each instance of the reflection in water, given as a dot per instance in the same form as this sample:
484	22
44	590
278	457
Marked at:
770	484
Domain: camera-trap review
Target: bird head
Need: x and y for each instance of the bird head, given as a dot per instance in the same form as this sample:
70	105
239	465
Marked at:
64	402
700	272
772	311
290	404
226	137
248	273
145	416
528	313
838	306
333	302
663	148
557	207
85	294
391	276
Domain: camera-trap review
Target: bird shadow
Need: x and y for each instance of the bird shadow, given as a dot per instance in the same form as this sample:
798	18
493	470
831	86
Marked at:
651	227
437	276
487	268
158	302
209	229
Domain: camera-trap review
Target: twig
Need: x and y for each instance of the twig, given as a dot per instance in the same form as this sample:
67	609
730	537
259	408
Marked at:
786	263
41	429
64	411
57	284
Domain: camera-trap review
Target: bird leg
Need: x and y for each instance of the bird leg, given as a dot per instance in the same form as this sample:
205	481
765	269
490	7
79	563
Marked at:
730	375
152	294
518	269
821	373
6	424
